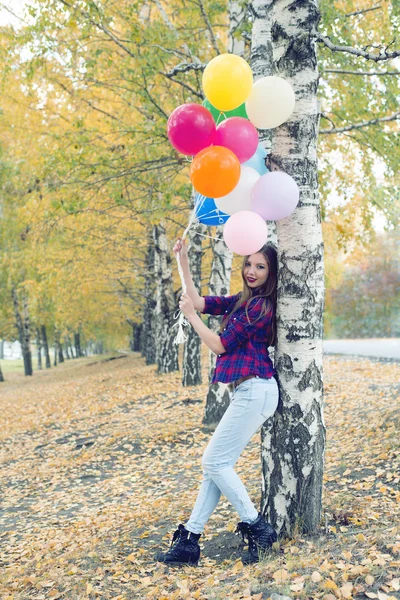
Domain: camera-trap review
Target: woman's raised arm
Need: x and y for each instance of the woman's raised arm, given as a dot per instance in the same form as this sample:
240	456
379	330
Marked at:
198	301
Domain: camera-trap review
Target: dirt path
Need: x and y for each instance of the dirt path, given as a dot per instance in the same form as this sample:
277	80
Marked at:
100	462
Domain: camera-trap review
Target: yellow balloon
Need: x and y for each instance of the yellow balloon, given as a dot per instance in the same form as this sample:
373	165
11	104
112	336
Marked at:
227	81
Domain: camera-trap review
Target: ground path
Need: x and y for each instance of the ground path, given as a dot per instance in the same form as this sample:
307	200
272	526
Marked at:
99	461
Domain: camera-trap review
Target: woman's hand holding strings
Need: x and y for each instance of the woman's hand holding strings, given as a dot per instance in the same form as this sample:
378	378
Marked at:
186	306
181	249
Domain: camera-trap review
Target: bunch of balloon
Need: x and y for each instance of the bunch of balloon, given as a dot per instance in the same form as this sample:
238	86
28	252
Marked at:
228	169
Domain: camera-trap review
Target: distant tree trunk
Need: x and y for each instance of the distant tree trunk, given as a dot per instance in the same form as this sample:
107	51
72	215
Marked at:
60	349
66	348
166	350
147	337
55	354
39	349
136	336
1	349
23	328
45	346
192	348
77	343
293	440
1	375
218	397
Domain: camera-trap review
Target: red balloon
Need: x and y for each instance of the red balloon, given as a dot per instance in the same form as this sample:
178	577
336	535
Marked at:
239	135
191	128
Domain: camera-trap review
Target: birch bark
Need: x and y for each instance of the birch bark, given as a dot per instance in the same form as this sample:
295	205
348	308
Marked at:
293	441
23	327
45	346
192	348
147	335
218	396
166	350
39	348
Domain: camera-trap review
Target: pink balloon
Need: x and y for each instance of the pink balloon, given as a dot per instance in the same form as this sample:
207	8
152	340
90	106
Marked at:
245	232
239	135
191	128
275	196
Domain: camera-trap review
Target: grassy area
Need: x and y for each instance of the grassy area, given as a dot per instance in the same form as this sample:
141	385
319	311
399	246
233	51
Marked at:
16	367
12	366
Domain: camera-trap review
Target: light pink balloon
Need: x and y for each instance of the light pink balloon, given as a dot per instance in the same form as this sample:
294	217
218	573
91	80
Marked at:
275	196
245	232
239	135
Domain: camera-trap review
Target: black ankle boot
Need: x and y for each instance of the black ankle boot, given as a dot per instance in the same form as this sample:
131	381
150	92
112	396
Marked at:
261	535
184	548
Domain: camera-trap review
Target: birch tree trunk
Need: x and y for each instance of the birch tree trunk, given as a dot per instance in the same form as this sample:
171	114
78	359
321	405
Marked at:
147	335
218	397
60	349
23	328
192	348
166	350
45	346
262	65
39	348
293	441
77	344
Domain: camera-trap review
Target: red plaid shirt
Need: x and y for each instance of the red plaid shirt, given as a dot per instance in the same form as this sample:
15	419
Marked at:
245	342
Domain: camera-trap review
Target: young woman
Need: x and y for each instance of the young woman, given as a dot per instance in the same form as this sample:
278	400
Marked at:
248	328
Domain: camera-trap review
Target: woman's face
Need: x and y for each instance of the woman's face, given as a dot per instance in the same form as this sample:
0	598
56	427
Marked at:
255	270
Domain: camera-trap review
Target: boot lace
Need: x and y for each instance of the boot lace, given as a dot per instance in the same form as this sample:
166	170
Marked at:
243	529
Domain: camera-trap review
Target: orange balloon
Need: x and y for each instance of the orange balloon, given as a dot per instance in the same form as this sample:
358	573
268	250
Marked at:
215	171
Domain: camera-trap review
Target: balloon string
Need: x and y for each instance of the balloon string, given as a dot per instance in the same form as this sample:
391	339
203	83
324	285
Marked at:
209	236
219	116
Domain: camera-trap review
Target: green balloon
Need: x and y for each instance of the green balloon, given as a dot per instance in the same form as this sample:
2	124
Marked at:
220	116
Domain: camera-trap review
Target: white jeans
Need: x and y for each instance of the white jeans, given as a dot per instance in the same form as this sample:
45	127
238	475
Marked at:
253	401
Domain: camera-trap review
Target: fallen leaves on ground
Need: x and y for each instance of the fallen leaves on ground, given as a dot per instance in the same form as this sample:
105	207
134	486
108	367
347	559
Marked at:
100	464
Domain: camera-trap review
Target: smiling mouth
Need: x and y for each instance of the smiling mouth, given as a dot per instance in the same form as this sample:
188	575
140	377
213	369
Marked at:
251	280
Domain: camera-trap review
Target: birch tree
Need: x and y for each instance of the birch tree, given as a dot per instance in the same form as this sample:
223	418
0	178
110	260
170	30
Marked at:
165	306
284	40
218	396
192	349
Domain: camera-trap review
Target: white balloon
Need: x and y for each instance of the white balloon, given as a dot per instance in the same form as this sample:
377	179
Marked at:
240	197
271	102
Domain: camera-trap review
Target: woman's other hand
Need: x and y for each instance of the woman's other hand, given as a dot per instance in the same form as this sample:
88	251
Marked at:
186	306
181	249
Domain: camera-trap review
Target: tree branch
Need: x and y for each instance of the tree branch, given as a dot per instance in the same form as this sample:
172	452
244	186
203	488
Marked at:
208	24
185	68
357	51
171	26
365	73
364	10
102	28
184	85
393	117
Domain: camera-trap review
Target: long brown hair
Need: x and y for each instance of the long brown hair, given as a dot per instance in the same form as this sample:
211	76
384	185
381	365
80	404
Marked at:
266	292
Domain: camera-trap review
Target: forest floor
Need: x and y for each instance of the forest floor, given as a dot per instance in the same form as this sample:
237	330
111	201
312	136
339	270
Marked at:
101	460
